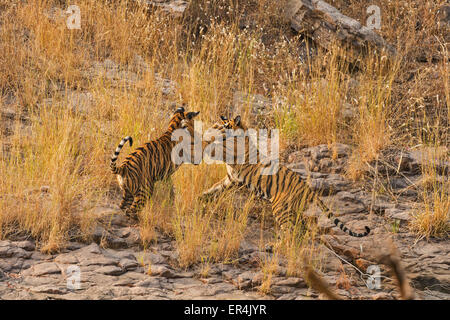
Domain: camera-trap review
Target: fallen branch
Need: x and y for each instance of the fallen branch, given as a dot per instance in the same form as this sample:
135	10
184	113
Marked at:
392	259
317	283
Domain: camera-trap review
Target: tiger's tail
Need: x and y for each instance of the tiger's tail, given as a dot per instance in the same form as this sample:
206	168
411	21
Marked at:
113	166
339	223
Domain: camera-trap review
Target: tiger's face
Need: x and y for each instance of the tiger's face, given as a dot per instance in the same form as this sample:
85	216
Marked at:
233	124
233	127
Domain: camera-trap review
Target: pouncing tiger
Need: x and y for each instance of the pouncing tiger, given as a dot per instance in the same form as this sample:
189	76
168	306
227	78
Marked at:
285	189
148	164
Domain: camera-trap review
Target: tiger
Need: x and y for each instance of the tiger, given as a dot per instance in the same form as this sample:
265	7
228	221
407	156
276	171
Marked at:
286	190
148	164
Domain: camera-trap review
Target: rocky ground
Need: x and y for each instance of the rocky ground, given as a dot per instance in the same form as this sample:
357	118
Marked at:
115	266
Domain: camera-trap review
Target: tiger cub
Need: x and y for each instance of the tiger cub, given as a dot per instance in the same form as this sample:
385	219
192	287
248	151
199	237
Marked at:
149	163
285	189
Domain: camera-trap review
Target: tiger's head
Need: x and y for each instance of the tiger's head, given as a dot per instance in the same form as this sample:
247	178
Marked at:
225	128
183	120
233	124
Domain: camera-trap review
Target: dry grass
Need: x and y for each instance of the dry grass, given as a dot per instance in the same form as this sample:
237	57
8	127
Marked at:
372	132
207	232
269	268
54	154
432	217
46	189
299	246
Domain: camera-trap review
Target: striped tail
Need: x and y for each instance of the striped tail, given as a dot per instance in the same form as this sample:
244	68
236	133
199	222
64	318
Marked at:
116	153
339	223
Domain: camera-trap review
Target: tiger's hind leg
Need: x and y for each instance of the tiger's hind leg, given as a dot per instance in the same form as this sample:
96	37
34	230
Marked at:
283	226
291	227
127	200
282	215
140	199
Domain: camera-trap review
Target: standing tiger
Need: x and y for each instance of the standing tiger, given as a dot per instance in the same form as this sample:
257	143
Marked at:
285	189
148	164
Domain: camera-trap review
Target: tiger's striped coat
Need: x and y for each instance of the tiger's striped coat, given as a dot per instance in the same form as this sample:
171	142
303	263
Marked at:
148	164
286	190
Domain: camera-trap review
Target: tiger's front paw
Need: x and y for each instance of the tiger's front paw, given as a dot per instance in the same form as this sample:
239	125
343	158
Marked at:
131	214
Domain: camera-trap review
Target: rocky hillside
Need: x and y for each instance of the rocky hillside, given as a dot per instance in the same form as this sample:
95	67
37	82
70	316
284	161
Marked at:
116	265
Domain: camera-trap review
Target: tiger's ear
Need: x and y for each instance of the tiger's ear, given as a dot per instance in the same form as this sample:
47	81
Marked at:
191	115
223	118
237	120
179	110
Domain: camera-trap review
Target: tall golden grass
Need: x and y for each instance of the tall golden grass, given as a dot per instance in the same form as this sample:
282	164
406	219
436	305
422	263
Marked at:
432	217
